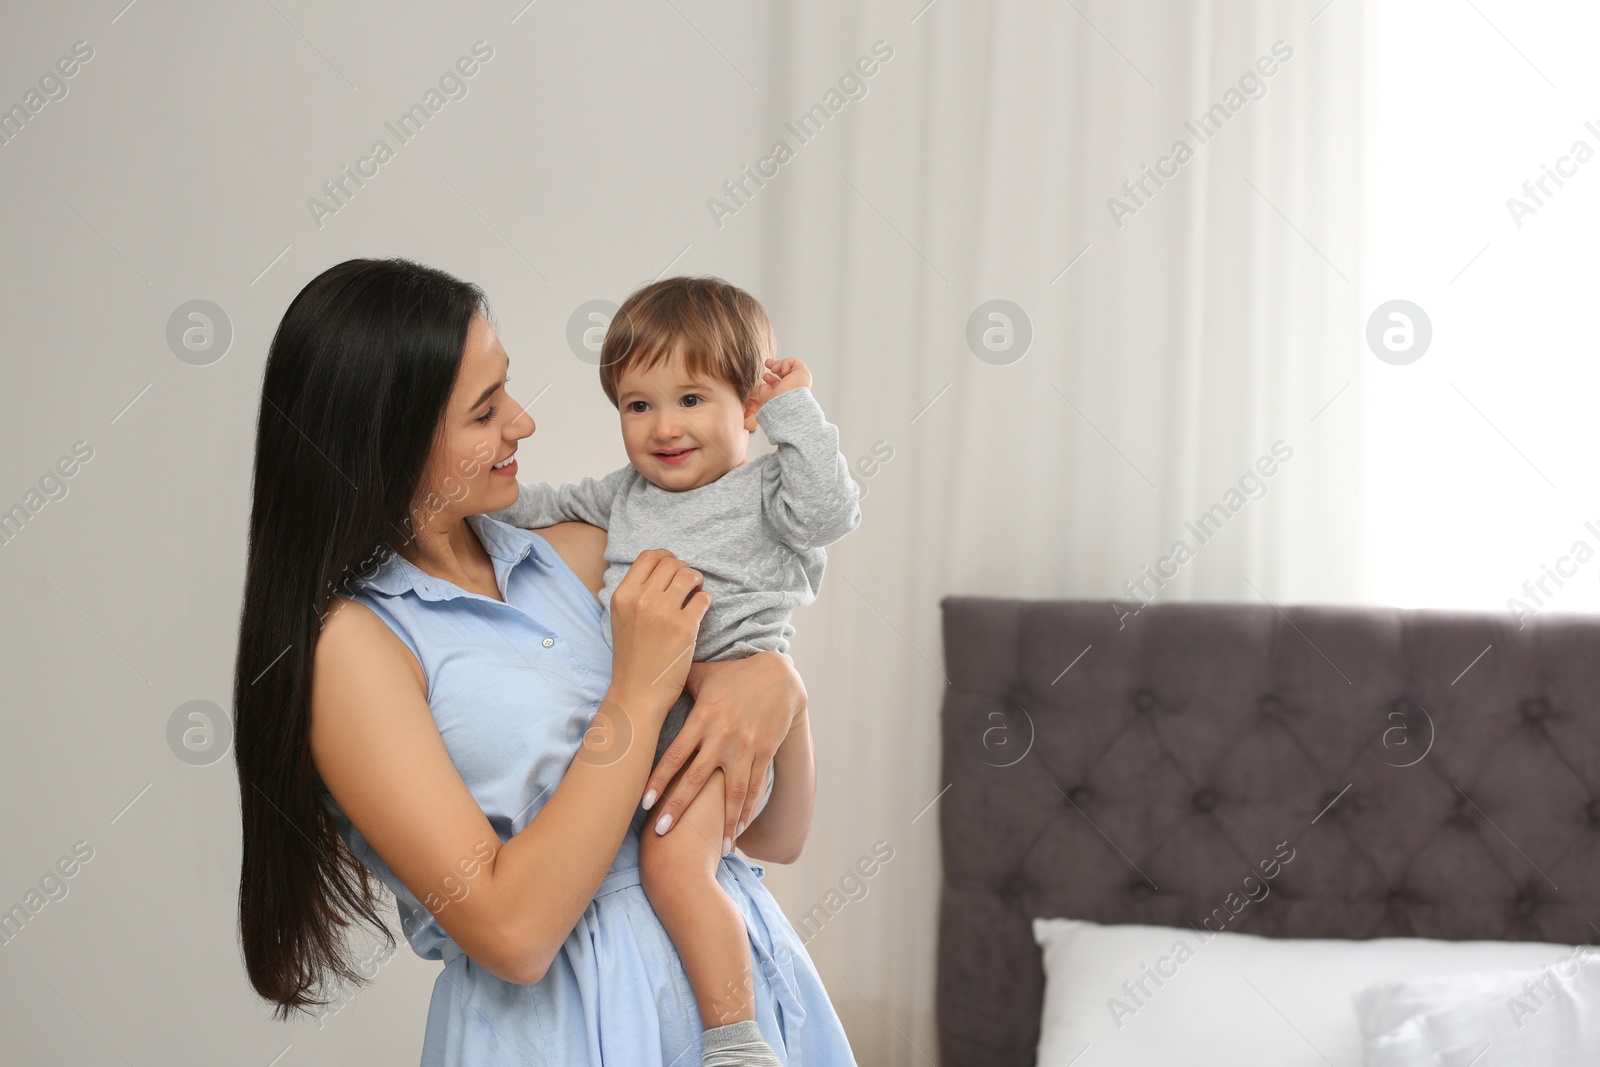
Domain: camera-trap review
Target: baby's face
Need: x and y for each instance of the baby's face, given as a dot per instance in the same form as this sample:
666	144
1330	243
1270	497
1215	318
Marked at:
682	431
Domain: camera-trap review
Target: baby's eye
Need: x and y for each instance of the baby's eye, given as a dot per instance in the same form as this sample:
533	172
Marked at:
692	399
637	406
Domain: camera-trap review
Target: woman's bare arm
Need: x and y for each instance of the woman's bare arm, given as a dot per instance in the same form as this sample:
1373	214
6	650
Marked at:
583	547
373	740
779	832
744	711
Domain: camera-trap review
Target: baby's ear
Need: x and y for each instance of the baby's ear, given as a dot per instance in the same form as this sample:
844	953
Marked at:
751	406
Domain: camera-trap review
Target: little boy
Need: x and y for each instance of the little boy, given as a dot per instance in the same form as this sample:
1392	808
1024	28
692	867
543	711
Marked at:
689	364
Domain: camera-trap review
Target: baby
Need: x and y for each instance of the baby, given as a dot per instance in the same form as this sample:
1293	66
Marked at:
689	364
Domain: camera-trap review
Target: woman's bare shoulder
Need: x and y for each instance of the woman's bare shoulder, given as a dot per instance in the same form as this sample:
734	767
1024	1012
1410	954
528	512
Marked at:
351	631
583	547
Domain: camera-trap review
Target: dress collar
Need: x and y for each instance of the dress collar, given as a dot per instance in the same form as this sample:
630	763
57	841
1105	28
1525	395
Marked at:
506	545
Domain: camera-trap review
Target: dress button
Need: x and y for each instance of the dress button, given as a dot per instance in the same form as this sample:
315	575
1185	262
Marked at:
549	641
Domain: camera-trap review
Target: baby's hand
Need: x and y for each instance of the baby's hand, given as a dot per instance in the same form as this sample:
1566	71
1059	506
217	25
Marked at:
781	376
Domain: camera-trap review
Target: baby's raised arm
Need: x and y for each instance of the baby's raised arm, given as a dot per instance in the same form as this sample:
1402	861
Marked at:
807	496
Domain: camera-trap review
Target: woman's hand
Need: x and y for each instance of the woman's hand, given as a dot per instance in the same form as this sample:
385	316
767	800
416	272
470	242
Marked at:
655	617
743	710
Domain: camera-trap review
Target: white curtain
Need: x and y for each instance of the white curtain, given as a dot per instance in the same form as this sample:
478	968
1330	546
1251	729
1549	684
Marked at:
1169	354
1481	453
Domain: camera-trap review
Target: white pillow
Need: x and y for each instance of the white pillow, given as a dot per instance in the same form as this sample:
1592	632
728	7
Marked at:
1542	1018
1230	998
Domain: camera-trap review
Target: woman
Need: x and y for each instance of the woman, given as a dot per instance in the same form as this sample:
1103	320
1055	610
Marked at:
423	696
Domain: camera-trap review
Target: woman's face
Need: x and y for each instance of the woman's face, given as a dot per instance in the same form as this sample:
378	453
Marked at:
480	428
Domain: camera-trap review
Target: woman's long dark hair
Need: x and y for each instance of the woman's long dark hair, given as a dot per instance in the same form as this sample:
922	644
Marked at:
357	379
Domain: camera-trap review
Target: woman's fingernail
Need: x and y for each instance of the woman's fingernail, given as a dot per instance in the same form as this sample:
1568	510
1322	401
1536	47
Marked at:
649	799
738	831
727	845
664	824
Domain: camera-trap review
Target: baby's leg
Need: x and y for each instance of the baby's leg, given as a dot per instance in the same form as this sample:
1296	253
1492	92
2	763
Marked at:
678	871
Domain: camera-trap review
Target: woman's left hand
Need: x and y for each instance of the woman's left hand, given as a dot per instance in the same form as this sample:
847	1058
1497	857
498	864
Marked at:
743	710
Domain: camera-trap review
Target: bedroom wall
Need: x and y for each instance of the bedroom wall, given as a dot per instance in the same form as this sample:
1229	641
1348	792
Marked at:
573	165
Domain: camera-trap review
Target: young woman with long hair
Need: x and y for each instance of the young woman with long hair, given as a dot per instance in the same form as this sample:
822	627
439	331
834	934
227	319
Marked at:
424	699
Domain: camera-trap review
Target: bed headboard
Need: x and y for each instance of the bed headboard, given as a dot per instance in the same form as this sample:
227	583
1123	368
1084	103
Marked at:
1436	774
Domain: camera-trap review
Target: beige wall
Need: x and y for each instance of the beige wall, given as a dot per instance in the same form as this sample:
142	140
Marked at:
177	167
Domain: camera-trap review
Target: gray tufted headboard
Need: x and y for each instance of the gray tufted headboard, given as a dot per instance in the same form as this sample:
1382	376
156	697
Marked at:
1437	774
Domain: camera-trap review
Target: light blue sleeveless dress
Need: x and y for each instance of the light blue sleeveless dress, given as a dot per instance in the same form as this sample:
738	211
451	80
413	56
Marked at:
512	687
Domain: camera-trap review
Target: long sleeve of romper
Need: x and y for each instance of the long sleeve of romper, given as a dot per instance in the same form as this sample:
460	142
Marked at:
808	496
540	504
